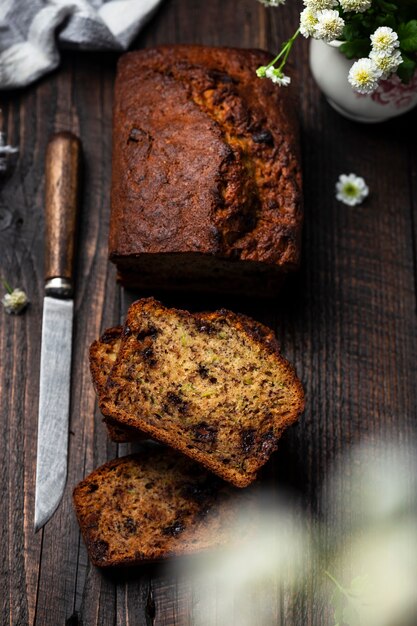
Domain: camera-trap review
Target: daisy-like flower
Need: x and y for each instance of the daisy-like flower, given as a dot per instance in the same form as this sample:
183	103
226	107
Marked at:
384	40
277	76
351	189
308	22
386	64
319	5
357	6
364	76
272	3
329	25
15	301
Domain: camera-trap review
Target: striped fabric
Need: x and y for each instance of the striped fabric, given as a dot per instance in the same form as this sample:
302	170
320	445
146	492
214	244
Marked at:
32	30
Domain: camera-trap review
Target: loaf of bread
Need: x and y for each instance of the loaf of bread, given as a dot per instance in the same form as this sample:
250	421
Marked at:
153	505
206	183
103	353
212	385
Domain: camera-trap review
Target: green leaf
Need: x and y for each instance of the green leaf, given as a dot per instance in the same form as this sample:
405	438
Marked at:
407	34
387	6
386	20
351	32
360	585
356	49
406	69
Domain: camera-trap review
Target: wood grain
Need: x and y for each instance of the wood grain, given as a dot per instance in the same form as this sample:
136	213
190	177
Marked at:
347	321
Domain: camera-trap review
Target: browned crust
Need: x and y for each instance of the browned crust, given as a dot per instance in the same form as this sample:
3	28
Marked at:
258	334
100	370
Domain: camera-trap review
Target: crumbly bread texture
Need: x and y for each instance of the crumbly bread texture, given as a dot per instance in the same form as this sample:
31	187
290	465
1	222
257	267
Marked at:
212	385
152	505
206	182
103	353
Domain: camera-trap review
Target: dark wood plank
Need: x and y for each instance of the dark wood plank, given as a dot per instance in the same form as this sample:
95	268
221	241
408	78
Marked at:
347	321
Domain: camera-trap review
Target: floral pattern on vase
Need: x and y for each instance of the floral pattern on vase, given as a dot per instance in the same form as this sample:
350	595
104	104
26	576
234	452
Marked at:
330	69
393	91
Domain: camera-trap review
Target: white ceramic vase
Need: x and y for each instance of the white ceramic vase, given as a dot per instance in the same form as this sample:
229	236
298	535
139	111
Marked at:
330	70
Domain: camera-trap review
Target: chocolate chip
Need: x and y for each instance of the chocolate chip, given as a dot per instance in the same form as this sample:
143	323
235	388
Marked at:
93	487
148	332
177	401
148	356
205	433
174	529
99	549
263	136
269	443
136	134
203	371
205	328
222	77
126	331
173	398
248	440
109	336
130	525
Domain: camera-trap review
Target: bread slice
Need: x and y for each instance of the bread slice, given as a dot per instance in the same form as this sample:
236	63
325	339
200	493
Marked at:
212	385
103	353
153	505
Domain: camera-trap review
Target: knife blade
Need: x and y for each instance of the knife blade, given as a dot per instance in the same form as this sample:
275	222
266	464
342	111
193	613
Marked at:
62	169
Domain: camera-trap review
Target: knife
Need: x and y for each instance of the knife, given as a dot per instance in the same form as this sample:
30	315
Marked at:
62	170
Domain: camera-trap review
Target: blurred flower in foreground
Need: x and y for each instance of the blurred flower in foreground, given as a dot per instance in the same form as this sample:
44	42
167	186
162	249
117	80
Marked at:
15	300
378	547
232	580
351	189
359	564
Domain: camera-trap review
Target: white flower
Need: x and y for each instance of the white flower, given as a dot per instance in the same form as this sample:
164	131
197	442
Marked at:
277	76
308	22
319	5
329	25
351	189
364	76
357	6
272	3
384	40
15	301
386	64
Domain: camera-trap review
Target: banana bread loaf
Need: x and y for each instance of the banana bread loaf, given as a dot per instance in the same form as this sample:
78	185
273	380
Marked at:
212	385
206	182
153	505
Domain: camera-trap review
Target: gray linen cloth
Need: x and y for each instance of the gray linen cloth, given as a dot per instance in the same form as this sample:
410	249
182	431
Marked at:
28	32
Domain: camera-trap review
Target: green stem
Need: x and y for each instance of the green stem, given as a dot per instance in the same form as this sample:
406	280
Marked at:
338	585
285	51
6	285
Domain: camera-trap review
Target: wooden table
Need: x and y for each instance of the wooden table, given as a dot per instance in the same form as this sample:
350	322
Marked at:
347	320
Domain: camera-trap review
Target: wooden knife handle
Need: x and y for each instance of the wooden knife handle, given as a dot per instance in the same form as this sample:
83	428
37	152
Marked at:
62	182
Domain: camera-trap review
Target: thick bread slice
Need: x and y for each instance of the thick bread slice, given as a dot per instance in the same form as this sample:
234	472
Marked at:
152	505
212	385
103	353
